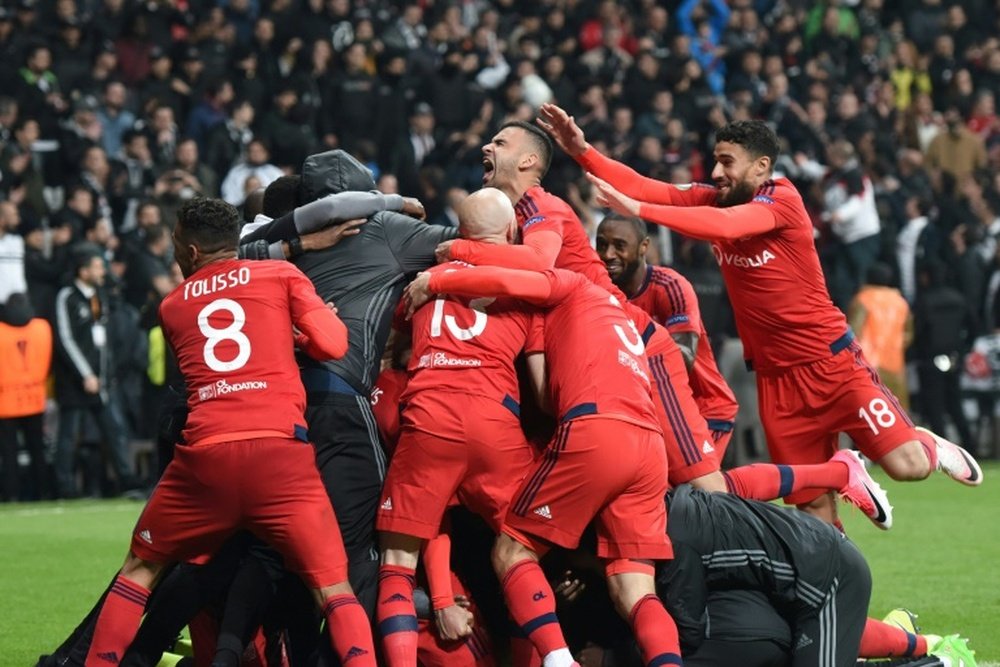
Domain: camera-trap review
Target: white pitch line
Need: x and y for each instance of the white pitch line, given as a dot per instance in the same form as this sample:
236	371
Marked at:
71	509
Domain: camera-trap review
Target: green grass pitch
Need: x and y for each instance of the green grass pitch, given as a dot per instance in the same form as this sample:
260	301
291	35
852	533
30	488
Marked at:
941	560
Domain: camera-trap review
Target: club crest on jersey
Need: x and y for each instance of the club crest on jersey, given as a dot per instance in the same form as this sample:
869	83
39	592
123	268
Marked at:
742	261
222	387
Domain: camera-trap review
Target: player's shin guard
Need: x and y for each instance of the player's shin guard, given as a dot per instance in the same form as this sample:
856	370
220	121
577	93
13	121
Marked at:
655	632
397	616
118	622
532	605
349	630
881	640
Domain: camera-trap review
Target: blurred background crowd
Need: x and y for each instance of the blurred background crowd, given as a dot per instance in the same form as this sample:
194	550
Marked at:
114	112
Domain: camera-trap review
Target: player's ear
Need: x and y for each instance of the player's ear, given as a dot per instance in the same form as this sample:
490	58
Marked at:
763	165
528	160
643	247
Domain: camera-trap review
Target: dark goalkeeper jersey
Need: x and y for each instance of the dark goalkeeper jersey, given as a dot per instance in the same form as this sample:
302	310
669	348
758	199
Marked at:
724	542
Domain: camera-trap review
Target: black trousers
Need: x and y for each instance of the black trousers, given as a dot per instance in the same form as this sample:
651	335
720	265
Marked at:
30	428
717	652
352	464
831	636
941	396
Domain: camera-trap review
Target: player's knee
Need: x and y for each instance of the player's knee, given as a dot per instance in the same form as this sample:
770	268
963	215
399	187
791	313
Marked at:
324	593
399	549
628	582
908	462
141	571
507	552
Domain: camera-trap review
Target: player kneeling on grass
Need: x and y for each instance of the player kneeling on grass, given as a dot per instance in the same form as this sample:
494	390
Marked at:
245	460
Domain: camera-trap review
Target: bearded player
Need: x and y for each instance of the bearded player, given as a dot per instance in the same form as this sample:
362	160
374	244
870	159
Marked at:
812	378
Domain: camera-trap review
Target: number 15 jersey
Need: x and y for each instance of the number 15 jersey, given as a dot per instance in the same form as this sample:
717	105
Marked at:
230	326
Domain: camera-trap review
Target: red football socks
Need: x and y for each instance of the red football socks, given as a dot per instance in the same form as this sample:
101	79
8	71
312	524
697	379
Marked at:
350	631
532	605
930	448
881	640
396	615
766	481
118	622
655	632
522	651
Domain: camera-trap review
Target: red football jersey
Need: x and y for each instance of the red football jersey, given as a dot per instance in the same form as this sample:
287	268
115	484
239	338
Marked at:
463	345
595	358
780	301
230	325
670	299
541	211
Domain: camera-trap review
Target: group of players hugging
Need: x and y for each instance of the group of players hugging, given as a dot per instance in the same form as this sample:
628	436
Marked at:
529	393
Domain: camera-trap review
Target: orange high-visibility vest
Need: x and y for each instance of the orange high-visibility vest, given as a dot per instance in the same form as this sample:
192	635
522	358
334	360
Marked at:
881	338
25	357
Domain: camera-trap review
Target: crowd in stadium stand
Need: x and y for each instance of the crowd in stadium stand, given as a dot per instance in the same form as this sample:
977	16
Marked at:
113	113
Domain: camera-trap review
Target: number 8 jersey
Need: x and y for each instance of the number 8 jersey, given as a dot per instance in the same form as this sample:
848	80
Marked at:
230	326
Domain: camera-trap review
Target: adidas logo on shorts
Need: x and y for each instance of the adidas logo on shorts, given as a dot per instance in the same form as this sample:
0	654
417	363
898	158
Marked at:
145	536
110	656
707	448
544	512
387	505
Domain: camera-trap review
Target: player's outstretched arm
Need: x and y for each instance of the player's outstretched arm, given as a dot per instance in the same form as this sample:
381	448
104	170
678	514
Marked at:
330	210
476	281
568	135
537	252
324	335
708	223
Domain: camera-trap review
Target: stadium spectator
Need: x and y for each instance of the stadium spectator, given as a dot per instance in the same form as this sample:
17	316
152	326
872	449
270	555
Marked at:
849	199
114	117
957	150
228	142
235	186
83	372
943	333
12	280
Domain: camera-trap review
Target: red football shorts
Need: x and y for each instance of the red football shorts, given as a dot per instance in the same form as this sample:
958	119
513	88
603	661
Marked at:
603	468
690	447
720	438
803	408
482	463
269	486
